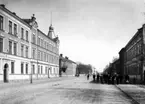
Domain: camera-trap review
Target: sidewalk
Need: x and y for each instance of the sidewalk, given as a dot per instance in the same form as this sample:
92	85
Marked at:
135	92
35	81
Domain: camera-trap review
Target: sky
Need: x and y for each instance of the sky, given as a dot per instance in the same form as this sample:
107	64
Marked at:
90	31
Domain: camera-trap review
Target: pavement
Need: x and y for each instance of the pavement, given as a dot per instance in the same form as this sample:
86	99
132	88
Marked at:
135	92
68	90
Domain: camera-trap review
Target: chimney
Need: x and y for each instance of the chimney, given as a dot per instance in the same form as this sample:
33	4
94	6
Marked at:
33	17
2	5
66	57
61	55
14	13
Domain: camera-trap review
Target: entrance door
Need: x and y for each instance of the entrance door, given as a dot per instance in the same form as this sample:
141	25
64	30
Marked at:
5	74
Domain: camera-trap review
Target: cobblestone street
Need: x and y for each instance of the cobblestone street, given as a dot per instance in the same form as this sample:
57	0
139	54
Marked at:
73	90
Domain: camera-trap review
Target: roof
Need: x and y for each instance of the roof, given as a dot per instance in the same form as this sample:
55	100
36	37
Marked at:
27	20
136	34
24	21
121	50
46	35
14	15
68	60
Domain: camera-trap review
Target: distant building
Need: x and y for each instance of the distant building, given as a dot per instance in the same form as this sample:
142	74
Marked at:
116	66
122	61
66	66
25	51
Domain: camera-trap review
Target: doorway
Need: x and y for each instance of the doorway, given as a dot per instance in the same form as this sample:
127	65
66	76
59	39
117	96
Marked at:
5	74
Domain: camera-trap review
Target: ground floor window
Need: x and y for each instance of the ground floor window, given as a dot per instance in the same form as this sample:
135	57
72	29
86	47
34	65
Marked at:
22	68
26	68
33	68
45	70
12	67
38	69
1	44
41	69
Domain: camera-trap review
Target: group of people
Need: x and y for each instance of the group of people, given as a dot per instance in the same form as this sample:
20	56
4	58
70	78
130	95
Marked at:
110	79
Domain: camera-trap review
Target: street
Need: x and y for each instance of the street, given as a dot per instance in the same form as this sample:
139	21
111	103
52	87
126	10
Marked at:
71	90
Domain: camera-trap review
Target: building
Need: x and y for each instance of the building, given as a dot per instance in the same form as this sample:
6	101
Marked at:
134	56
116	66
66	66
25	51
122	61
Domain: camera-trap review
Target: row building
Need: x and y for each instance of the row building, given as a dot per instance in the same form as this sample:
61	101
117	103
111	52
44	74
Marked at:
132	57
25	51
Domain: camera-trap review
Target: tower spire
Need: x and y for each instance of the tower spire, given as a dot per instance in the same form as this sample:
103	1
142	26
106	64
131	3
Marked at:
51	29
51	18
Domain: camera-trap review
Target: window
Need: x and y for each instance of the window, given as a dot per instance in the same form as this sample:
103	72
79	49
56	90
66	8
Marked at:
38	69
34	39
45	45
27	36
50	70
39	41
12	67
1	44
33	69
10	47
45	70
15	48
33	53
27	52
10	27
44	56
22	68
41	69
22	50
26	68
1	22
41	55
15	29
22	33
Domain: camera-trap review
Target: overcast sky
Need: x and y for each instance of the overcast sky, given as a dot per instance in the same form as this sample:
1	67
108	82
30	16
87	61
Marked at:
90	31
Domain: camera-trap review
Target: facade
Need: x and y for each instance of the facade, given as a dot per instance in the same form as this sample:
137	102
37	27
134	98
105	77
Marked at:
67	67
25	51
134	56
122	61
116	66
113	68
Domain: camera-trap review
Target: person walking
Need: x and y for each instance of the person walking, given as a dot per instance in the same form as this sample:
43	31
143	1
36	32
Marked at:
94	76
88	77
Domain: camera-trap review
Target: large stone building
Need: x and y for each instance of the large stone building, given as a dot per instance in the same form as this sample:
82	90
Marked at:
25	51
122	61
134	56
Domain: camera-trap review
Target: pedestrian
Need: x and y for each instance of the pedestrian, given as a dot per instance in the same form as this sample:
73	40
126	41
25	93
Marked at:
113	78
117	78
127	79
121	78
88	77
98	76
94	77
